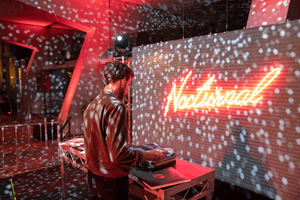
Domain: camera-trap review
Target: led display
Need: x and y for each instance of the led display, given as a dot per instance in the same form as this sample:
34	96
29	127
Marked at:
228	101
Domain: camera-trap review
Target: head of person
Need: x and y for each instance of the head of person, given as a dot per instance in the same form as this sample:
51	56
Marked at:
240	134
118	75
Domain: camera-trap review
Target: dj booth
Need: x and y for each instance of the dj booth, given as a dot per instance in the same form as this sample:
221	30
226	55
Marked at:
201	180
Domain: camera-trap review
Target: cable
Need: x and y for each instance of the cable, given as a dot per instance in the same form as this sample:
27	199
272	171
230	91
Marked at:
144	194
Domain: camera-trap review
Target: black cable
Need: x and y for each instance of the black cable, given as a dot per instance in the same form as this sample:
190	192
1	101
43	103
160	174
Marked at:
143	193
39	190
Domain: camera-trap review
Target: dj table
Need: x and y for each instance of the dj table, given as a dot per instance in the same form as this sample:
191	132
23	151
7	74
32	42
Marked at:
201	184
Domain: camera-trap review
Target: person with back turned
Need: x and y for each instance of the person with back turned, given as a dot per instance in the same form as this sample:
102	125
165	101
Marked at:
108	157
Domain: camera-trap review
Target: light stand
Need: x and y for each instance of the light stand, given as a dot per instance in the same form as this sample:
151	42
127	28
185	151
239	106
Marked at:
123	52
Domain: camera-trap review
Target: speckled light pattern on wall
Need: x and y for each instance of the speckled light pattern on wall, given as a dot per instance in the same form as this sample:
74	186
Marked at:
255	146
266	12
48	42
126	18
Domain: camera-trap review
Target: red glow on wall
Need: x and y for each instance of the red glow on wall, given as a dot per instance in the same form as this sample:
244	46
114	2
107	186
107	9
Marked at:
206	97
268	12
77	72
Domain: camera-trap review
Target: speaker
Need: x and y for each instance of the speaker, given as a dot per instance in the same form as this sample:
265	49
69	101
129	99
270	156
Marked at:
43	82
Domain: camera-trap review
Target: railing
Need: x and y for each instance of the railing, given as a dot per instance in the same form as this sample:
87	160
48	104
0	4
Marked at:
67	123
71	130
25	130
17	140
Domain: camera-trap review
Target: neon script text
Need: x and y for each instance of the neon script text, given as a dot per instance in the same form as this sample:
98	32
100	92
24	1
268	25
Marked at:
217	98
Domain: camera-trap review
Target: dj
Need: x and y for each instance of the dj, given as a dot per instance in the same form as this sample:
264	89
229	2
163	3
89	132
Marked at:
108	157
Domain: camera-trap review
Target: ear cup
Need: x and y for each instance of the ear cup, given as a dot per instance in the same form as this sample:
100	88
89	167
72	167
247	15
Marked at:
113	72
119	74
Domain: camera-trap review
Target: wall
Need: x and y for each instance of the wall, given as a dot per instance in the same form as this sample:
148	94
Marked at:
92	14
29	35
255	146
264	13
32	31
126	18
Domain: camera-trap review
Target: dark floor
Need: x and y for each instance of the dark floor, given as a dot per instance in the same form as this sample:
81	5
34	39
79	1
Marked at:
22	151
36	180
225	191
77	187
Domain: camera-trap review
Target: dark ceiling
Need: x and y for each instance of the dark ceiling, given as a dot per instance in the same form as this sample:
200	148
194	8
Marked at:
195	18
214	13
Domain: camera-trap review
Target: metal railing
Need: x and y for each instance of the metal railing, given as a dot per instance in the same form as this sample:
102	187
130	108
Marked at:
29	127
19	138
71	133
67	123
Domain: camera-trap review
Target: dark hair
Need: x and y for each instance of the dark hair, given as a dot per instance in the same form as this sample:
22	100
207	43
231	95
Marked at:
114	71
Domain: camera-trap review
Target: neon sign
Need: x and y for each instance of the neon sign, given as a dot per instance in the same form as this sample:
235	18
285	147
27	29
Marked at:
217	99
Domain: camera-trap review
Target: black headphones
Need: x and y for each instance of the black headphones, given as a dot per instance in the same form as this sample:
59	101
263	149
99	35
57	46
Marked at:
120	73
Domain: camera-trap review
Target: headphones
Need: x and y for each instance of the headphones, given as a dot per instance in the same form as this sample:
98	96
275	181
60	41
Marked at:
118	75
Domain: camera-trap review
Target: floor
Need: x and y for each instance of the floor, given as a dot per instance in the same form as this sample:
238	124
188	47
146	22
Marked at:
42	178
21	152
44	172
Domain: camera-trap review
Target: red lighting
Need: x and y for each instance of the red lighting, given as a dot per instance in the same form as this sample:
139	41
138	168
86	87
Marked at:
212	99
28	47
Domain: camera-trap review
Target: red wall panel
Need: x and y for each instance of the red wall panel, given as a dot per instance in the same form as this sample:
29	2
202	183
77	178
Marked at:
266	12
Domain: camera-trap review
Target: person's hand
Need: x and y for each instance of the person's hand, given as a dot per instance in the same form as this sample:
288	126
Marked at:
154	155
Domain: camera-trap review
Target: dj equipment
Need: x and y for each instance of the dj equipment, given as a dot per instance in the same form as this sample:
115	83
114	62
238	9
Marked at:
168	160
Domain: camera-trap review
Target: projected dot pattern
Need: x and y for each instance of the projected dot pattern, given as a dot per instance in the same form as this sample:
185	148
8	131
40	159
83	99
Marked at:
232	49
49	43
257	146
263	12
37	179
126	18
